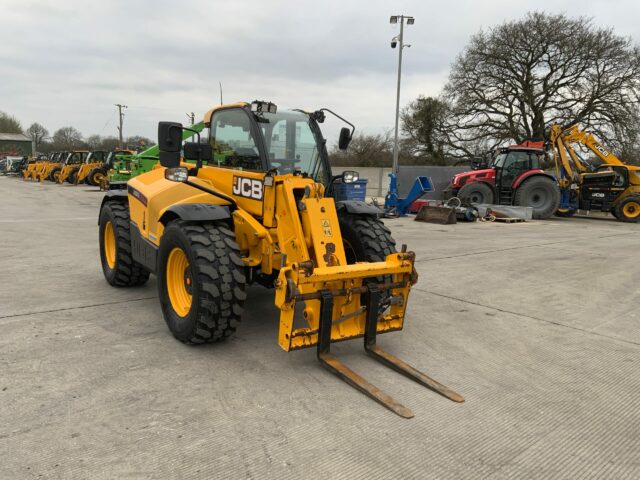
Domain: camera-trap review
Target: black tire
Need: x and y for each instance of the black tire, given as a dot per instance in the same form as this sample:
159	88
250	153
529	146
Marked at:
72	176
94	174
214	277
476	192
125	271
53	175
541	194
566	213
366	239
628	210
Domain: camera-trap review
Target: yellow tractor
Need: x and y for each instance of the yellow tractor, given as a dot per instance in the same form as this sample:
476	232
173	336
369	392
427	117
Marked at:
72	164
94	160
254	207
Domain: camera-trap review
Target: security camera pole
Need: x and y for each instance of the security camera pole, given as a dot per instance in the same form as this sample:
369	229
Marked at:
398	40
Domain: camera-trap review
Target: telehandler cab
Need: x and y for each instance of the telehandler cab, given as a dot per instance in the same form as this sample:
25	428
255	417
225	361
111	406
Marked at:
253	208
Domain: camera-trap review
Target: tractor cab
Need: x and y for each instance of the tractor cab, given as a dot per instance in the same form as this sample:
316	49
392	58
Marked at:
511	163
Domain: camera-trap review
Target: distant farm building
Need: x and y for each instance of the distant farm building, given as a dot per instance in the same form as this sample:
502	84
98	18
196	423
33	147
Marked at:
14	145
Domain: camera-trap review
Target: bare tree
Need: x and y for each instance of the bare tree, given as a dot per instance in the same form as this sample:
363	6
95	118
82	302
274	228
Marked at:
67	138
37	133
109	143
365	151
9	124
94	142
423	123
517	79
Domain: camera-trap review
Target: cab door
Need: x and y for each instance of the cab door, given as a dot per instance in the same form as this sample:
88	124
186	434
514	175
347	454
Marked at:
516	163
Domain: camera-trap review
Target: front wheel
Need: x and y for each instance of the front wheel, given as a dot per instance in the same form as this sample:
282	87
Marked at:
201	281
367	239
541	194
95	176
72	177
628	210
476	193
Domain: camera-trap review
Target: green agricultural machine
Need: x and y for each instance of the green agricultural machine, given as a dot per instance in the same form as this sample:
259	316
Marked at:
125	167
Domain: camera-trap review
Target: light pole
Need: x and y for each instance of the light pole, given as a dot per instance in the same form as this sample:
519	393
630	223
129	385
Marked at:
398	39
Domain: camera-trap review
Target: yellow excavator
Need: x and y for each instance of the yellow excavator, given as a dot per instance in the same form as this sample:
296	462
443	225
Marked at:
255	206
611	187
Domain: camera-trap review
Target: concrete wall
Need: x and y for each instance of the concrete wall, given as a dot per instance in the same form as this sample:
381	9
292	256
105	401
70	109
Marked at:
378	178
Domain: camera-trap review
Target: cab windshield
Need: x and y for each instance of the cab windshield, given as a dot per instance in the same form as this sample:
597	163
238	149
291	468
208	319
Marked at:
498	161
293	143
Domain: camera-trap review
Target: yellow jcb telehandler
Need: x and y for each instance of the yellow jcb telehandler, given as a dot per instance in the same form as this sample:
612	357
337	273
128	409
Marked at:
35	168
255	207
72	164
52	167
94	160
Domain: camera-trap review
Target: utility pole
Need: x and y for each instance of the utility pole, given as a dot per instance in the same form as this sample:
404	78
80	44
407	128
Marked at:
192	116
121	118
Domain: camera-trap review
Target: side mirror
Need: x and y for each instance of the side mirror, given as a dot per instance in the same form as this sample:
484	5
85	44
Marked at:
169	143
350	176
198	151
170	136
345	138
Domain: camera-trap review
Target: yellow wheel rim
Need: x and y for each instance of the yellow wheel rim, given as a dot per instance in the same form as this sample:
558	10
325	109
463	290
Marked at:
631	210
178	280
109	245
97	178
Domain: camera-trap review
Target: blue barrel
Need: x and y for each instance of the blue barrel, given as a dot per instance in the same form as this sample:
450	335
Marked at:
351	191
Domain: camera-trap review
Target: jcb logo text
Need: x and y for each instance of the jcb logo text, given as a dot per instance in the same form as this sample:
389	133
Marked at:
247	187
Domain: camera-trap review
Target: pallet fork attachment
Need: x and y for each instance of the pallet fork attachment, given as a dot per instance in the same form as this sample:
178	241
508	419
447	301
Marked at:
352	378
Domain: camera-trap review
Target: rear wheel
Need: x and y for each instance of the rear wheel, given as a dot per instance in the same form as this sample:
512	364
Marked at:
118	265
541	194
476	192
628	210
201	281
95	176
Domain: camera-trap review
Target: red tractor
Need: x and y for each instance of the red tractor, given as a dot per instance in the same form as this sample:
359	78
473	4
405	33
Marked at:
513	177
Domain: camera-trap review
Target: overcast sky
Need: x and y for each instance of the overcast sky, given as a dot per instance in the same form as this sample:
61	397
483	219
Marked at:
68	62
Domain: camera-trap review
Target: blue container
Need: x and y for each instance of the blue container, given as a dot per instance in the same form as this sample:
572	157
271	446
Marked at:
351	191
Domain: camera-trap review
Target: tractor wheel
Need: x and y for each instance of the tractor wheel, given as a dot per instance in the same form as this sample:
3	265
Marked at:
95	176
628	210
565	212
201	281
71	178
476	192
55	173
540	193
366	239
118	265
